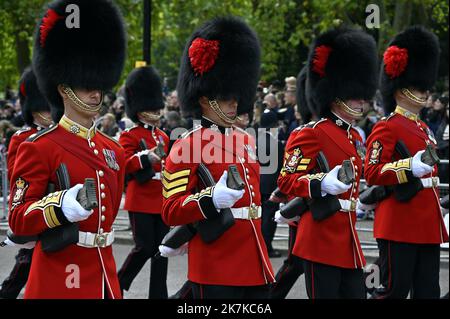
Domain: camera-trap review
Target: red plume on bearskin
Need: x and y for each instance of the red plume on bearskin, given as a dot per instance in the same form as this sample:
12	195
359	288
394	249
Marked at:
203	55
395	61
320	59
48	22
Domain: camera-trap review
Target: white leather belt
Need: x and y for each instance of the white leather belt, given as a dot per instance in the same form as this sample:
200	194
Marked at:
93	240
252	212
430	182
157	176
347	205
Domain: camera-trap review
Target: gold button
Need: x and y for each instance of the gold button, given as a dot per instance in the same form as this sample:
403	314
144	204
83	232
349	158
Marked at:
248	177
253	194
356	166
103	218
95	152
246	170
103	195
100	231
103	208
251	186
92	144
351	142
353	158
102	186
356	174
100	173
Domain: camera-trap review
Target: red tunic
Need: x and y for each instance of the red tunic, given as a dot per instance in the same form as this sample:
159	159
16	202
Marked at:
239	257
418	220
147	197
333	241
16	140
31	213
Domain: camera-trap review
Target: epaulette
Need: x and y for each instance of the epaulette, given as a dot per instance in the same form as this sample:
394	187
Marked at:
386	118
189	132
131	128
109	138
307	125
241	130
35	136
23	130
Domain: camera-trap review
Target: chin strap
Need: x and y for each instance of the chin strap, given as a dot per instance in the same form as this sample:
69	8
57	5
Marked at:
216	108
347	109
47	121
149	119
83	106
409	95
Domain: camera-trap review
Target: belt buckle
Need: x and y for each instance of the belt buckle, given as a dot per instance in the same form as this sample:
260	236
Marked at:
100	240
435	181
253	212
352	205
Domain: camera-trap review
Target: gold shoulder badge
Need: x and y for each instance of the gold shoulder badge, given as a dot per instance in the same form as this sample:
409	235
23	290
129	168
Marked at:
375	152
19	191
292	160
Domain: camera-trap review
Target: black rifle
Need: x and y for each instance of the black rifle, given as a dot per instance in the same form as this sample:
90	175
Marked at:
60	237
144	175
402	192
209	229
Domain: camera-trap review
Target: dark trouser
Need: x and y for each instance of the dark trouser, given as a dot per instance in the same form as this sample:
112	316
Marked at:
148	232
268	225
289	272
201	291
408	268
331	282
18	277
185	292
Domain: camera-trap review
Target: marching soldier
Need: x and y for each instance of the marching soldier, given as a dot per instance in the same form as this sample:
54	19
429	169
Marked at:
341	75
37	116
292	267
144	101
73	67
218	78
408	235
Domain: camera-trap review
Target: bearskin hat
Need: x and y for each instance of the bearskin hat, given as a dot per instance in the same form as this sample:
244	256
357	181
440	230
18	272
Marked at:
303	106
31	99
342	63
143	92
89	55
410	61
221	60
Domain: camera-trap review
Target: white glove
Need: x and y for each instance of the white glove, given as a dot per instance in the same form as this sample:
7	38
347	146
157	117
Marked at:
172	252
419	168
29	245
71	208
151	156
224	197
331	185
364	207
279	219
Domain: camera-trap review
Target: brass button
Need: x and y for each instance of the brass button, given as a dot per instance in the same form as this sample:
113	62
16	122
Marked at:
253	194
102	186
100	230
103	218
353	158
251	186
103	208
92	144
246	170
248	177
95	152
100	173
103	195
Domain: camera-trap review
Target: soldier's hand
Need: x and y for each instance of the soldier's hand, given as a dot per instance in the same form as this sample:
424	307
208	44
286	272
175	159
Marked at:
419	168
279	219
153	158
332	185
29	245
365	207
224	197
71	208
172	252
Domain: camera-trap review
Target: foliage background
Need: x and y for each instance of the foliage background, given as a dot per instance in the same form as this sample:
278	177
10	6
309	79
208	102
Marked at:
285	28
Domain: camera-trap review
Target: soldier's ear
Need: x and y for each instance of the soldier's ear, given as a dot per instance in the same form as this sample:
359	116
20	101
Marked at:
61	91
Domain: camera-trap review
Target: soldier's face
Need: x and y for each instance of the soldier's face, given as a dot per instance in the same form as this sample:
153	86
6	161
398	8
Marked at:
90	97
229	107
